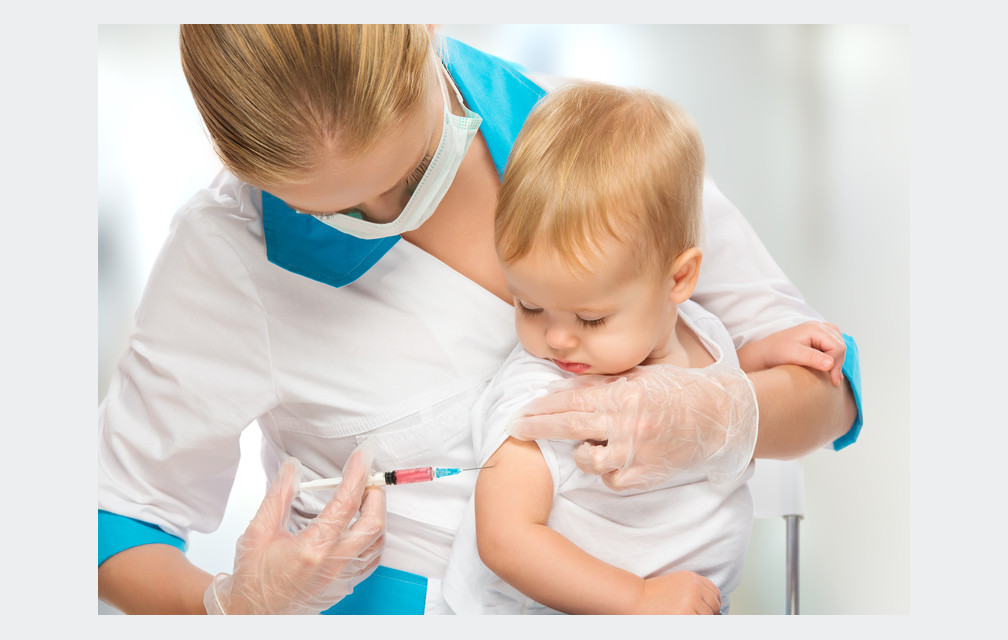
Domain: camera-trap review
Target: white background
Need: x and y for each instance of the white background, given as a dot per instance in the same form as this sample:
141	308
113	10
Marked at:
806	129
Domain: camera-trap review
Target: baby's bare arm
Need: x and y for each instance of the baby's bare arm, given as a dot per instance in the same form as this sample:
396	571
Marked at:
513	502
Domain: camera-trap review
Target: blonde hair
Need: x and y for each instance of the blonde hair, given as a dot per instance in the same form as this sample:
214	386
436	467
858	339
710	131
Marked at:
274	98
594	159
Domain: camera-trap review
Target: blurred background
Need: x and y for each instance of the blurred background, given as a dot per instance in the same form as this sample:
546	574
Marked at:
806	131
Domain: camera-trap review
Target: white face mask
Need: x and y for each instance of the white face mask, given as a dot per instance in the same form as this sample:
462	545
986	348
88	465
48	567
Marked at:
457	134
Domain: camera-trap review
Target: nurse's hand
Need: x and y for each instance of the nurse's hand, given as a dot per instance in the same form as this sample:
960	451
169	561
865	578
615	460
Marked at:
651	423
277	571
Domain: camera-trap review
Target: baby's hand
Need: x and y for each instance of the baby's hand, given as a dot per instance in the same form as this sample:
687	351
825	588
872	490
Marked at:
818	345
681	592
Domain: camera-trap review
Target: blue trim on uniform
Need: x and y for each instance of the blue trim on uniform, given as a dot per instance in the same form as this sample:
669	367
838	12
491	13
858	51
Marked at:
495	89
117	533
491	87
852	372
385	592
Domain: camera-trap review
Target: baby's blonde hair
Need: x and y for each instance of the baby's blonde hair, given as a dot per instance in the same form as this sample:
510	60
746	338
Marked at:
275	98
595	160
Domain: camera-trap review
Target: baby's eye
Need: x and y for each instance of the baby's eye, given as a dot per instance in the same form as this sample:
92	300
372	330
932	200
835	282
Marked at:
591	324
527	311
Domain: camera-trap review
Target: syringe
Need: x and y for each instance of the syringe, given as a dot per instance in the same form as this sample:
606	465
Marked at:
383	478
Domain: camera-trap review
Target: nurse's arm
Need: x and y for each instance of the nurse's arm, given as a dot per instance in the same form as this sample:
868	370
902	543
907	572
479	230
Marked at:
152	579
800	410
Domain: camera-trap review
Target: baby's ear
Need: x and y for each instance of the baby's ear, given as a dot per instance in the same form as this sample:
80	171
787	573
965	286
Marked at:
685	272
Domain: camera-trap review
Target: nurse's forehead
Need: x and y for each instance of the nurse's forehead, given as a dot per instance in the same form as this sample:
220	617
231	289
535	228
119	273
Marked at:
344	181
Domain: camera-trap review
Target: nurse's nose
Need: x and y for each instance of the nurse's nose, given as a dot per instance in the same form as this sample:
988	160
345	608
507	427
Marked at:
558	337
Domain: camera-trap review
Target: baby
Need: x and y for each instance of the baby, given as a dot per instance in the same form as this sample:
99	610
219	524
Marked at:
598	229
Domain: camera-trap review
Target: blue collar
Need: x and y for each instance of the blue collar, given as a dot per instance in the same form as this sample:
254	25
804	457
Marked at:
491	87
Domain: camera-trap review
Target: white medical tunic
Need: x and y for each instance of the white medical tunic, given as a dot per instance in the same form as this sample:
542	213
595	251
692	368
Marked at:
686	523
225	338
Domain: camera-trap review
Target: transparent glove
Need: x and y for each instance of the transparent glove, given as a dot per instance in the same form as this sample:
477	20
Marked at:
277	571
650	424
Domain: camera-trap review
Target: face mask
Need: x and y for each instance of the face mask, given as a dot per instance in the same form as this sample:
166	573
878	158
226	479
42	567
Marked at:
457	134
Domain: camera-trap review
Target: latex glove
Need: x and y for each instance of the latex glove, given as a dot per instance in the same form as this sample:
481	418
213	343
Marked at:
650	424
277	571
817	345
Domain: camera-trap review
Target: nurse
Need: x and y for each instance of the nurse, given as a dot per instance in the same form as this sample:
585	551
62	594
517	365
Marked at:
337	284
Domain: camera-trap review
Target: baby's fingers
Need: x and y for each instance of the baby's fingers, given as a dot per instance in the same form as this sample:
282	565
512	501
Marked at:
831	343
807	355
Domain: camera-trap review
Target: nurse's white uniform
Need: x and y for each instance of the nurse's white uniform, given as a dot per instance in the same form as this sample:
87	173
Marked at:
225	338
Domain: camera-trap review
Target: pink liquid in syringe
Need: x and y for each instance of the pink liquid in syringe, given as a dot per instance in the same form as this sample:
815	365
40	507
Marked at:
407	476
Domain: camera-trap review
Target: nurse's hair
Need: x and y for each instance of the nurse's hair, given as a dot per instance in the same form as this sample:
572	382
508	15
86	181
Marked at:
275	98
593	161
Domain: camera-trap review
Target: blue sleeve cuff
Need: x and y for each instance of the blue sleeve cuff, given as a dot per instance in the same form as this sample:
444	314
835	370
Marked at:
852	372
117	533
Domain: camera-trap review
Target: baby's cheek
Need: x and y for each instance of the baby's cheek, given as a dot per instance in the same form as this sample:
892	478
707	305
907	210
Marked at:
528	339
615	356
